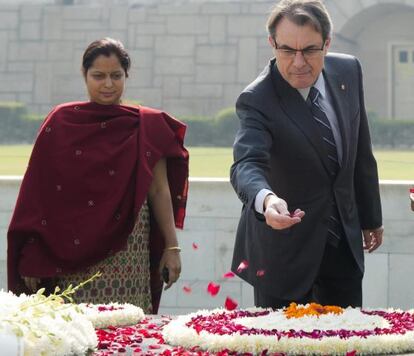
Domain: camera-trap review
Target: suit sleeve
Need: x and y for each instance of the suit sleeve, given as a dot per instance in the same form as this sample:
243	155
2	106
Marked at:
251	152
366	173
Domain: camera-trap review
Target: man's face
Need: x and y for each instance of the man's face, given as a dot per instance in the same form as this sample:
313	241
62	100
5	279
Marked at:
299	69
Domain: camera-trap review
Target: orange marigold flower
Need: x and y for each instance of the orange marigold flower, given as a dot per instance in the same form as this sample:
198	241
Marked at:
293	311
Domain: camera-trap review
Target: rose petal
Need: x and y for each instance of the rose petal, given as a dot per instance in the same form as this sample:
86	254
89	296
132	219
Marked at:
187	289
195	246
230	304
228	275
260	273
242	266
154	347
213	288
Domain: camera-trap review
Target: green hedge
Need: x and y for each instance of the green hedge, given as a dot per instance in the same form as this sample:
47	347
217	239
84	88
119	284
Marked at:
391	133
16	125
219	130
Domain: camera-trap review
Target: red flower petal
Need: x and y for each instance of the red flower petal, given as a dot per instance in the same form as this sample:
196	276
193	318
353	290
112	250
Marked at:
260	273
230	304
195	246
411	190
351	353
228	275
154	347
187	289
242	266
213	288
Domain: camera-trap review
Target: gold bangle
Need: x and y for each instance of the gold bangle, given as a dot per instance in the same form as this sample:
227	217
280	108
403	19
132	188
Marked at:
173	248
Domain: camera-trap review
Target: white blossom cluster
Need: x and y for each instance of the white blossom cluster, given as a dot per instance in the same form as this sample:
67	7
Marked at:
46	326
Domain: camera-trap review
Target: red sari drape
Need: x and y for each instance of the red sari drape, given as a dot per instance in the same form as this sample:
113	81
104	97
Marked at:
88	176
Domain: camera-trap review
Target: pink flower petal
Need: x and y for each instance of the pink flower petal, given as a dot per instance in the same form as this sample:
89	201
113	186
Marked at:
187	289
195	246
228	275
154	347
260	273
242	266
351	353
213	288
230	304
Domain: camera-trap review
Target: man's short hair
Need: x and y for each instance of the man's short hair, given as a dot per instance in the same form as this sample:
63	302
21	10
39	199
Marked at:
301	12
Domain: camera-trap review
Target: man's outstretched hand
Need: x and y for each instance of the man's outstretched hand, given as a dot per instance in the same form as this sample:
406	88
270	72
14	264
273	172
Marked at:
277	214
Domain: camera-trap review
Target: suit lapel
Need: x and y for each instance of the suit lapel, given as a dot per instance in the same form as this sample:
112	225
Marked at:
297	110
338	88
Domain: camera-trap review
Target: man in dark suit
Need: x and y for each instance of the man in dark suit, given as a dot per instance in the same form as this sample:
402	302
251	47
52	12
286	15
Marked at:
304	168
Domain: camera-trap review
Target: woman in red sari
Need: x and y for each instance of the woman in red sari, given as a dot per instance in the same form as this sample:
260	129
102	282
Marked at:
105	188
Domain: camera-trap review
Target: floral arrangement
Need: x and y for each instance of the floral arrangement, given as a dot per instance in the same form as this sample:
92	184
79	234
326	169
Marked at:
113	314
46	325
256	330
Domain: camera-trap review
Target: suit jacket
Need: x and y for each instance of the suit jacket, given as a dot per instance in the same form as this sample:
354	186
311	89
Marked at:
279	147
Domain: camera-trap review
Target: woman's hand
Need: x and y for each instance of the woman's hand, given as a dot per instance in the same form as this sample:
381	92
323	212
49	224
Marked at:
171	260
31	283
159	197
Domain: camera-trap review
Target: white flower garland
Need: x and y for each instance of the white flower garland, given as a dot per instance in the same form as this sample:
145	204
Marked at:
179	334
114	314
46	327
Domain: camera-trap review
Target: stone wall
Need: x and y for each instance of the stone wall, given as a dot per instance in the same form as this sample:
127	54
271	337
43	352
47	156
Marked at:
212	216
189	57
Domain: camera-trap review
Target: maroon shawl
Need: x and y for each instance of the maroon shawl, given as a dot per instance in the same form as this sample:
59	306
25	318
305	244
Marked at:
88	176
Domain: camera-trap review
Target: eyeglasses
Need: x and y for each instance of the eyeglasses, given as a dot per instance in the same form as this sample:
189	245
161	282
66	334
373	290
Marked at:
307	53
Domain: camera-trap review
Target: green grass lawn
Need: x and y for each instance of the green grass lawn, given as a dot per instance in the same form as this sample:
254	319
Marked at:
216	161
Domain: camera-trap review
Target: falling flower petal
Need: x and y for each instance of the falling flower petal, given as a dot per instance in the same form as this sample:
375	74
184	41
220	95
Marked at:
213	288
242	266
228	275
260	273
195	246
187	289
230	304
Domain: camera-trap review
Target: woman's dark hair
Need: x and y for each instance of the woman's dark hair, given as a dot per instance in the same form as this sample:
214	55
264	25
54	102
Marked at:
301	12
106	47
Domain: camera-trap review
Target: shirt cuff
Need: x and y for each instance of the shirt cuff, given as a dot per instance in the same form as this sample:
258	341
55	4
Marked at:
259	200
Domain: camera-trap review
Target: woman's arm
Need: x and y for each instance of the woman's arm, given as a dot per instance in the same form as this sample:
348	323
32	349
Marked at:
159	197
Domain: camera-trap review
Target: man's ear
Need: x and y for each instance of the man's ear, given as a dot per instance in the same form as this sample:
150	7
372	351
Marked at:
327	44
271	41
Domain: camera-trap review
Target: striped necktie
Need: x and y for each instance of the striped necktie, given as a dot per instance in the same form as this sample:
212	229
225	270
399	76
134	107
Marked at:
335	231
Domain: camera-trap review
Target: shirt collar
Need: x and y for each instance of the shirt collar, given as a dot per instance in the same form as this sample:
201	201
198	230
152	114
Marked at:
319	84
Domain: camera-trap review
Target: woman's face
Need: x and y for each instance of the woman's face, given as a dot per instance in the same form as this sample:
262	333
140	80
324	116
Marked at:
105	80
